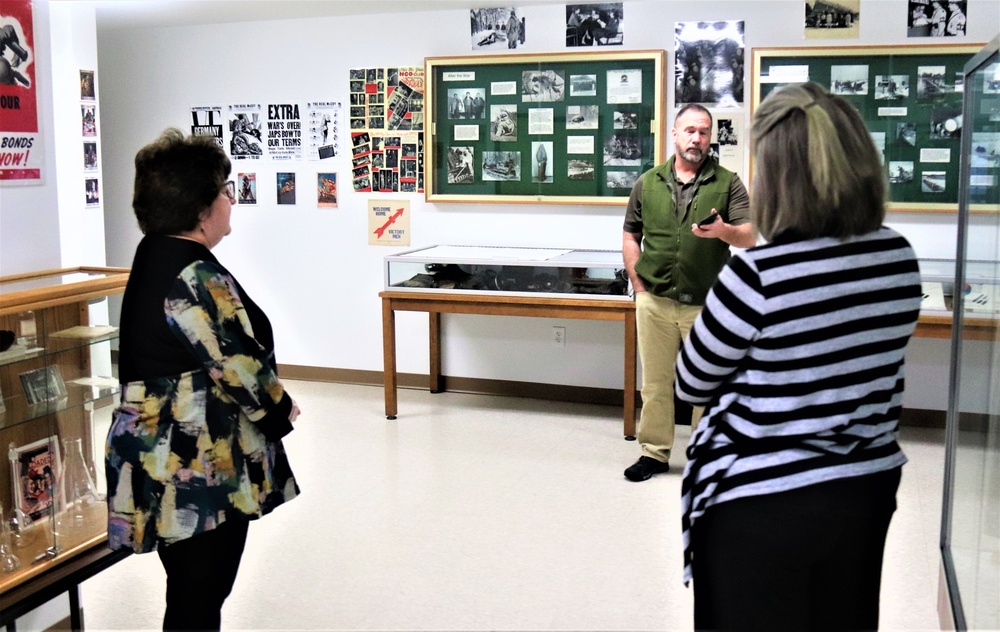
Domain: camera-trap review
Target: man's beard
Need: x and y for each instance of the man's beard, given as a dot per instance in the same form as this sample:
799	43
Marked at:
694	155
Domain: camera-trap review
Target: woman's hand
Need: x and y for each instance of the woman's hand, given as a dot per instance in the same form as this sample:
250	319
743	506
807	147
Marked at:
292	416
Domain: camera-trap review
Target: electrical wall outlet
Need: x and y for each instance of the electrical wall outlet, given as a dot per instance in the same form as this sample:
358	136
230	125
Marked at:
559	336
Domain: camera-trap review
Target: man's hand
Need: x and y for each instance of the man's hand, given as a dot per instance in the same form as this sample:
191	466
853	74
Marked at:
742	236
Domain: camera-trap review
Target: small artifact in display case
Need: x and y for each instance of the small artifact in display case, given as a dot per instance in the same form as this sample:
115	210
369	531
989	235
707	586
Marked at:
933	296
44	384
980	297
516	271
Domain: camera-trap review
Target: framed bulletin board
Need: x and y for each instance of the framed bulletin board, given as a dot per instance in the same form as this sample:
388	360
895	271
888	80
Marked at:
563	128
910	98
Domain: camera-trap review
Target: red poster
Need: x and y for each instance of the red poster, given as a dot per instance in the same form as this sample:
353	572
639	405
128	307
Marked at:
20	142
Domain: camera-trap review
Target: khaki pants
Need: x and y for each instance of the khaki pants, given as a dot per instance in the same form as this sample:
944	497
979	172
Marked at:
662	324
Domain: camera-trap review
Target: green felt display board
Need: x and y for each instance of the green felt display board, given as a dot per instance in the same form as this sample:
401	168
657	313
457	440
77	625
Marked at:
558	99
911	94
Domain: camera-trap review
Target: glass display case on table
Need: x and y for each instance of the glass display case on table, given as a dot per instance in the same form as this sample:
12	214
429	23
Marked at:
980	298
57	389
504	281
509	271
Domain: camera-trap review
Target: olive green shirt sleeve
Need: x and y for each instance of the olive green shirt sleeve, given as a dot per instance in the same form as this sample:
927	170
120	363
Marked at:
739	202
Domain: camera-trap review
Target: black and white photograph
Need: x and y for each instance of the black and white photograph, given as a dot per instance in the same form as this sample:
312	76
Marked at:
498	27
932	82
918	18
879	139
900	171
991	80
595	24
541	162
87	85
626	119
503	122
892	87
906	134
583	85
285	182
90	156
620	179
461	161
828	19
543	86
946	123
466	103
849	80
42	385
501	165
932	182
582	116
580	169
246	140
985	150
622	149
727	132
936	18
93	193
709	63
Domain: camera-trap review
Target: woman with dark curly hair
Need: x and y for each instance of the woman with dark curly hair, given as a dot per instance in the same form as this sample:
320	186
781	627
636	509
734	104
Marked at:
194	451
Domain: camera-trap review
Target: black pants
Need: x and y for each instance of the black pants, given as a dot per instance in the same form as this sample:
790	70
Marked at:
200	575
807	559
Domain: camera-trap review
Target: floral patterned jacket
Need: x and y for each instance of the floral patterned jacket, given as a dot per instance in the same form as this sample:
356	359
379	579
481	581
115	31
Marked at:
191	448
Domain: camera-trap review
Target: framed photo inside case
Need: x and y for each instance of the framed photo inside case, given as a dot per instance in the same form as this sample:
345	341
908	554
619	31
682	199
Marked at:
35	473
44	384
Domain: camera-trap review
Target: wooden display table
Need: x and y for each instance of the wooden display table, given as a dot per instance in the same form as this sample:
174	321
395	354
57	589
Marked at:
435	304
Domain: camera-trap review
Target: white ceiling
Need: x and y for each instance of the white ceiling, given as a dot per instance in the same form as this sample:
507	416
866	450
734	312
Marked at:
128	14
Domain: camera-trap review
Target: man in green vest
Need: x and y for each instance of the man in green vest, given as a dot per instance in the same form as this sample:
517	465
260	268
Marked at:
672	258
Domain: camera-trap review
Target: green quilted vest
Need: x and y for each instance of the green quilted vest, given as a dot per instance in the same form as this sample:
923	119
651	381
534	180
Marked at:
674	262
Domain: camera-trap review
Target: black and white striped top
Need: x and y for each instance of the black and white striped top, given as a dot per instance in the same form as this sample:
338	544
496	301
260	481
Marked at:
798	360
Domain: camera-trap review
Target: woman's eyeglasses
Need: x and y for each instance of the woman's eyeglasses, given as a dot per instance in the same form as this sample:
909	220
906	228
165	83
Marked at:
231	190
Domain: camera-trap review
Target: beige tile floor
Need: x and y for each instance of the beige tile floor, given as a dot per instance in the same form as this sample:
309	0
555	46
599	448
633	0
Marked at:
472	512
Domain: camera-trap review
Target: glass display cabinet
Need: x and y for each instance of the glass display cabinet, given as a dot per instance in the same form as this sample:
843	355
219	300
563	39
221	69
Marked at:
509	271
501	281
57	388
970	529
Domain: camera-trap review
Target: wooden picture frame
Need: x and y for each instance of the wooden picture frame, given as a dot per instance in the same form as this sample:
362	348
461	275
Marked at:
560	128
909	97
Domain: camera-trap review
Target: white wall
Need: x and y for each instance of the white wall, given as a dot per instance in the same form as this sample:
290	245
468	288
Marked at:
312	269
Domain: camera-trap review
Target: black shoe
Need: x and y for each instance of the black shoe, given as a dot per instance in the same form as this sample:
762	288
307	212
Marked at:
644	468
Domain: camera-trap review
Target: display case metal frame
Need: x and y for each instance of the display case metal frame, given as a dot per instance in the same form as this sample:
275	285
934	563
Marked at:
977	432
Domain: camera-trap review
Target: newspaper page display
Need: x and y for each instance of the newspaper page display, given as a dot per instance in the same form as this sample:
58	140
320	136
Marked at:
206	120
245	132
324	129
284	131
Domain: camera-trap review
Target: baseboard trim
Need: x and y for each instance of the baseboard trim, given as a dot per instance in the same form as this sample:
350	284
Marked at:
476	386
533	390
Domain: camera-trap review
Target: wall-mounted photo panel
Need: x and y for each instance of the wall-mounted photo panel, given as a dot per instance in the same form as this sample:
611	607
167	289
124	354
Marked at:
594	121
909	99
